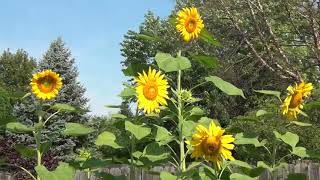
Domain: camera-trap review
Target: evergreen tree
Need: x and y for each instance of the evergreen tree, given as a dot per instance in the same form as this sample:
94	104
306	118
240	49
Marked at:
58	58
15	70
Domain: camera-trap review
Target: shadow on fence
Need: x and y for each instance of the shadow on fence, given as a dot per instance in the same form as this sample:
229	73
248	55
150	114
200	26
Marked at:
310	169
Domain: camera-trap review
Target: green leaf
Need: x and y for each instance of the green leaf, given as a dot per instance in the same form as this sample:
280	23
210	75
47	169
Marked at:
134	69
96	163
112	106
25	151
241	164
163	136
278	135
290	139
207	61
205	121
63	107
128	92
297	176
170	64
269	92
300	123
44	147
137	154
107	176
154	152
148	37
118	116
167	176
108	139
76	129
63	171
300	151
264	165
17	127
242	139
261	113
197	111
188	128
225	86
207	37
237	176
139	131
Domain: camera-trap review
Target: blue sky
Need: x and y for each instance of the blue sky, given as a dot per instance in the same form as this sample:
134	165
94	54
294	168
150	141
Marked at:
92	30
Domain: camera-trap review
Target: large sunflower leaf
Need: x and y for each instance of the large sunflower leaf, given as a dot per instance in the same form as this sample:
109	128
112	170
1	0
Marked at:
269	92
76	129
63	107
63	171
207	37
108	139
139	131
170	64
154	152
225	86
163	136
17	127
207	61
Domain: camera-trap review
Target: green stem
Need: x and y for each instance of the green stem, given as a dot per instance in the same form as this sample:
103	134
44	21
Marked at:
132	169
37	136
180	124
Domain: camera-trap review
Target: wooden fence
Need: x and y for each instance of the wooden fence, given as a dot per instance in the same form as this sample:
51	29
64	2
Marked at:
310	169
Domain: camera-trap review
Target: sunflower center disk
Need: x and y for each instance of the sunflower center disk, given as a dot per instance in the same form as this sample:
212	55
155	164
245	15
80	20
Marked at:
211	146
150	91
191	25
46	84
296	100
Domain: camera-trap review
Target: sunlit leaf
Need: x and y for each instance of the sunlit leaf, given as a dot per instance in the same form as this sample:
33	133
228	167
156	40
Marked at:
76	129
170	64
128	92
17	127
300	151
63	171
63	107
242	139
269	92
154	152
108	139
300	123
207	37
207	61
167	176
237	176
261	113
163	136
225	86
139	131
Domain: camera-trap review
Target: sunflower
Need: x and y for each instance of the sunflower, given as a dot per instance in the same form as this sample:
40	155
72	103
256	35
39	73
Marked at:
212	144
46	84
293	103
151	91
189	23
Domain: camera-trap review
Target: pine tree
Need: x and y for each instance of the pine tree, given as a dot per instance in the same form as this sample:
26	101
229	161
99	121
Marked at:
58	58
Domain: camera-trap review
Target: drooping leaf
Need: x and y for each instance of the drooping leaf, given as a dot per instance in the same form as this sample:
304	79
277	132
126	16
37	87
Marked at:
300	151
188	128
225	86
207	61
290	139
63	171
167	176
107	176
269	92
163	136
154	152
128	92
300	123
242	139
237	176
112	106
25	151
139	131
196	111
63	107
118	116
170	64
241	164
17	127
76	129
108	139
207	37
134	69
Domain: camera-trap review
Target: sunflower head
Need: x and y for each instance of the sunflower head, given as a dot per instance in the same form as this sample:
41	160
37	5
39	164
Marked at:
46	84
151	89
189	23
211	144
293	104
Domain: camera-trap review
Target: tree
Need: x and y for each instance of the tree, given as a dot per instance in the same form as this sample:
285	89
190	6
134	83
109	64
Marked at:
58	58
16	70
